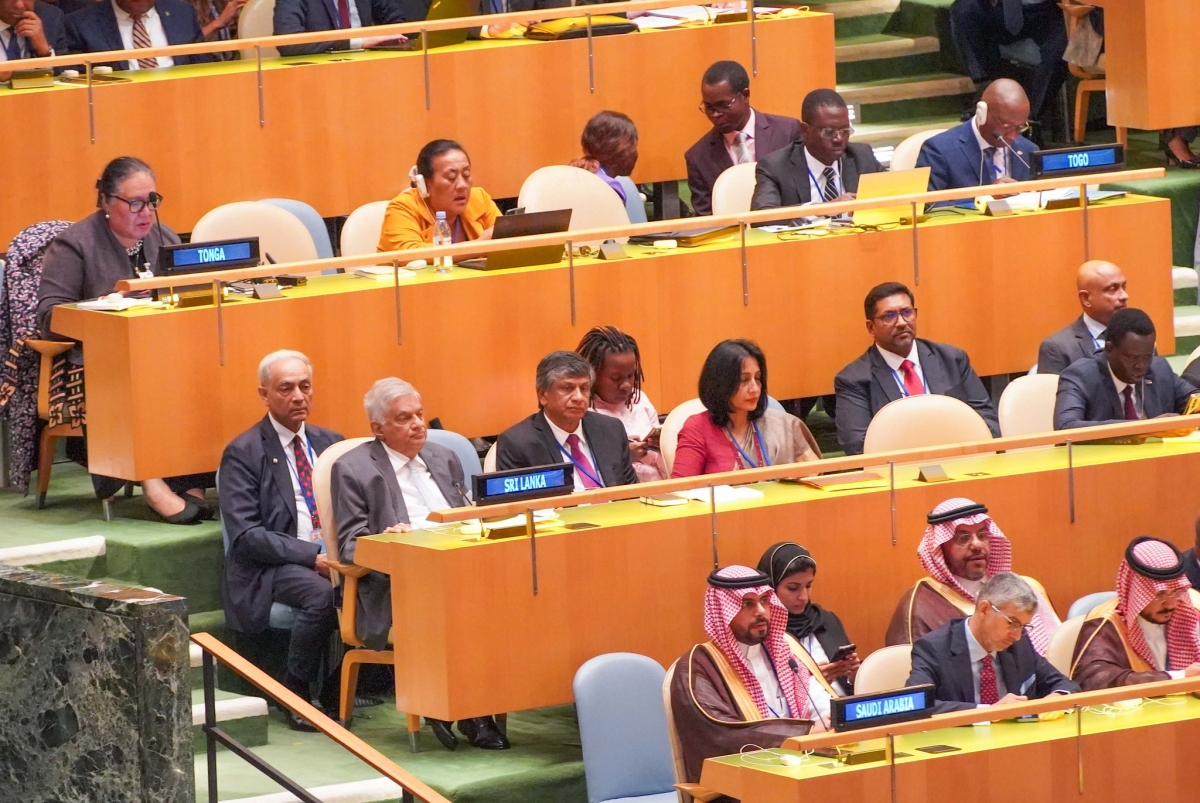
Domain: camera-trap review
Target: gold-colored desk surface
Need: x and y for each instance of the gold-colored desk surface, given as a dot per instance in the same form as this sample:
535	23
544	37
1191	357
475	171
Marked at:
1151	59
161	403
342	130
1139	754
471	637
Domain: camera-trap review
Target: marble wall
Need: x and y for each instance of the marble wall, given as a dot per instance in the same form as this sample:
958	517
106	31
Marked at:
95	695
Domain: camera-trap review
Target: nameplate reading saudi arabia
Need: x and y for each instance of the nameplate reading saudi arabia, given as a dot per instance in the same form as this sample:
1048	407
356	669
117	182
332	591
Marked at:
883	708
525	483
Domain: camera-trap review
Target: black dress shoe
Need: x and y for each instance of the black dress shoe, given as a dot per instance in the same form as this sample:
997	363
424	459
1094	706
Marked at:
482	732
299	723
441	729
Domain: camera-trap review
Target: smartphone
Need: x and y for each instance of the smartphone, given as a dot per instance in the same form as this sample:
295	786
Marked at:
939	748
1193	405
842	652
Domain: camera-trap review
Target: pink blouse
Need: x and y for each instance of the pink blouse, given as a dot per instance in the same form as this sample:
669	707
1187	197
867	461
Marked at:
639	420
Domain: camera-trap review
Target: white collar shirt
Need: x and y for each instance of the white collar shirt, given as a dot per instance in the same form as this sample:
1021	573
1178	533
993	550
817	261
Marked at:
1156	640
154	29
894	361
1137	394
6	35
816	177
421	493
764	673
999	163
731	140
972	587
1096	329
561	436
304	525
977	653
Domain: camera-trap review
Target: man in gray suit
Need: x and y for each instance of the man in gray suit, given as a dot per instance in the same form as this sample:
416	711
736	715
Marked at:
390	485
823	165
1101	287
739	134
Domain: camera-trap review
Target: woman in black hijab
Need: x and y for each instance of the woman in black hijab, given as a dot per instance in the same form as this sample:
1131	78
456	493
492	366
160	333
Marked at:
792	570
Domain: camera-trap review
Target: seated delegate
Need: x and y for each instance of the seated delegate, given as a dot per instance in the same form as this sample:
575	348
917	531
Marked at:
120	240
564	429
898	364
441	182
301	16
617	392
1124	382
738	430
610	148
31	29
1100	287
740	133
135	24
823	165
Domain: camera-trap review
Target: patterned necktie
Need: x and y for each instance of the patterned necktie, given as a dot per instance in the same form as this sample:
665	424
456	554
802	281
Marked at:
988	693
1130	409
831	190
13	49
912	383
741	147
587	471
304	472
990	174
343	14
141	39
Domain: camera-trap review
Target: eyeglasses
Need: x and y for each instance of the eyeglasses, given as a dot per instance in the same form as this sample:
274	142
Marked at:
1023	128
137	204
1169	594
889	317
1013	624
832	133
717	108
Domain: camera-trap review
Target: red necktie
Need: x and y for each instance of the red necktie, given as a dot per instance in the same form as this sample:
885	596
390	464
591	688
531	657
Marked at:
988	694
304	472
912	382
587	471
1130	410
343	13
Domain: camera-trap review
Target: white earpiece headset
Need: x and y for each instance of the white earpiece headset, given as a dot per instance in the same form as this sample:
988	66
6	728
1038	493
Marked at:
418	181
981	112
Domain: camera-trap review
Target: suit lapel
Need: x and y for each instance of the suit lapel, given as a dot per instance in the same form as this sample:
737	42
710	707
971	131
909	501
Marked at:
717	153
1011	671
883	375
594	445
548	440
442	477
936	378
970	148
277	460
1083	337
108	22
800	174
383	465
364	12
849	172
960	663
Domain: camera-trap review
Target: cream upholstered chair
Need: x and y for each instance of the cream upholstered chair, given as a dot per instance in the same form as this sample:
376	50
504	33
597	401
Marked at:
257	18
673	735
360	233
926	420
733	189
1027	405
280	233
884	669
489	459
1062	644
593	203
904	157
347	575
668	439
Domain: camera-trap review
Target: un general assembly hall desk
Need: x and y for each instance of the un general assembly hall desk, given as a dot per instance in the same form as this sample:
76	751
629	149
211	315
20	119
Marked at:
469	340
341	130
471	637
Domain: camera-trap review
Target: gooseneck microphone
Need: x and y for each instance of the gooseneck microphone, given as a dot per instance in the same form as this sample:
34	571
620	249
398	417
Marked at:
1010	148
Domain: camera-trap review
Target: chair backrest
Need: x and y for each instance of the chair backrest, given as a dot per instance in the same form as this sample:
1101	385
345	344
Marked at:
1084	605
773	404
1062	644
733	189
926	420
1072	13
312	221
672	734
904	157
468	458
668	439
635	202
280	233
623	728
257	18
884	669
489	460
1027	405
360	233
593	203
322	473
1192	357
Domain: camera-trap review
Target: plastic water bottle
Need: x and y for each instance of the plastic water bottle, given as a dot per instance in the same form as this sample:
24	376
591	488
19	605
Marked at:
442	236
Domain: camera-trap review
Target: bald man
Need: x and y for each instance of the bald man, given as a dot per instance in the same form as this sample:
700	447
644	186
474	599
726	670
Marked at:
974	154
1101	289
980	27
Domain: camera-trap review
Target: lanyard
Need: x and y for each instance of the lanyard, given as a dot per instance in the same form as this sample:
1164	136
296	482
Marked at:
900	380
309	500
837	184
579	466
334	14
750	463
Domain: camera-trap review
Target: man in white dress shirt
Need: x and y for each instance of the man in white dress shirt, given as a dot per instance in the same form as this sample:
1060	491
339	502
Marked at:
136	24
1101	290
390	485
30	29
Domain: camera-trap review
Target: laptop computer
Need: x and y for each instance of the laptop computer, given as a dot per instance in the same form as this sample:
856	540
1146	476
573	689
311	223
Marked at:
439	10
884	185
522	226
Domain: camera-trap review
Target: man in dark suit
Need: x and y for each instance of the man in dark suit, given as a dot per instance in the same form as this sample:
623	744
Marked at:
979	27
1101	287
269	513
1191	566
823	165
739	132
987	658
30	29
115	26
565	430
1125	382
989	152
390	485
300	16
897	365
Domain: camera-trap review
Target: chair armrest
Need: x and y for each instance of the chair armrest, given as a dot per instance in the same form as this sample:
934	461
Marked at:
50	348
348	569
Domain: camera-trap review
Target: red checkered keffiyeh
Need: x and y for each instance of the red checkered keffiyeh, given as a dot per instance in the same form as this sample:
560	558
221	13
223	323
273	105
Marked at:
1135	591
929	551
720	606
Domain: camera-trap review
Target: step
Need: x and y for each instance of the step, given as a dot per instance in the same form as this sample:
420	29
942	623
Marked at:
376	790
72	549
859	17
879	134
1184	282
1187	329
906	88
883	46
243	718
